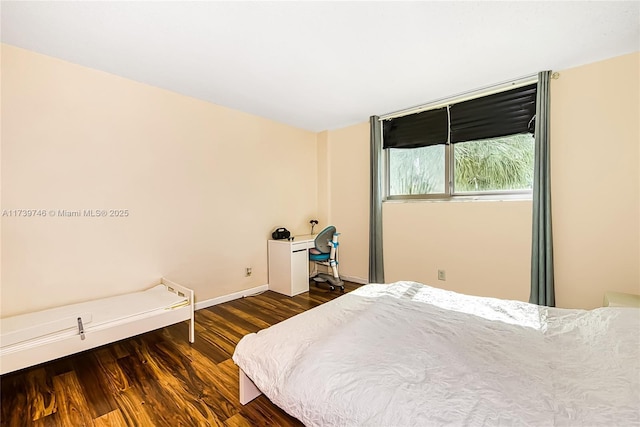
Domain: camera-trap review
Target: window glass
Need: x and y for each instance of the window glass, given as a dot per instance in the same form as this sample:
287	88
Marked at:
495	164
417	170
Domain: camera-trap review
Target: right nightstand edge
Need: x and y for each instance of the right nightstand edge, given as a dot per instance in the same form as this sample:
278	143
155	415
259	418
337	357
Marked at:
619	299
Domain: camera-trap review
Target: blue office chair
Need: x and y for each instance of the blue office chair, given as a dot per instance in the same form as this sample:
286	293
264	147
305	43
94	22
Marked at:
324	253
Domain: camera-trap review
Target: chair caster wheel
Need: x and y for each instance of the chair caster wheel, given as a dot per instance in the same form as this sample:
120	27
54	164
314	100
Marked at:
333	288
342	289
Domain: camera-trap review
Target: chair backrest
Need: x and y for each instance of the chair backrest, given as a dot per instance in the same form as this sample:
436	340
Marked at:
323	238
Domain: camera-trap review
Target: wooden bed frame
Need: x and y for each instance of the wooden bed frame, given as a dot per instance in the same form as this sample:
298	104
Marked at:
42	350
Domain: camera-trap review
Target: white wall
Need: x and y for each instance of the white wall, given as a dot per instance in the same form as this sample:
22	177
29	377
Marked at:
347	162
595	128
483	246
324	181
204	185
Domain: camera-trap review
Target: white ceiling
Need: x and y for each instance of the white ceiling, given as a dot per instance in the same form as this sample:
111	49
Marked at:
323	65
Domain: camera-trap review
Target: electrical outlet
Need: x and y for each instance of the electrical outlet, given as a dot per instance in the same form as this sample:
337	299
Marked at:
442	275
247	271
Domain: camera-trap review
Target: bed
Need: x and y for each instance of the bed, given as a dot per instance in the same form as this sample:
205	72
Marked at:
38	337
408	354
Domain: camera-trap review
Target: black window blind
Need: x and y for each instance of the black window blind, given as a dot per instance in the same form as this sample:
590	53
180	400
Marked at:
500	114
429	127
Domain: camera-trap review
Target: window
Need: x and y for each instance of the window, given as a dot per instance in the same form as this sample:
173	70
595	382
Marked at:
480	146
495	164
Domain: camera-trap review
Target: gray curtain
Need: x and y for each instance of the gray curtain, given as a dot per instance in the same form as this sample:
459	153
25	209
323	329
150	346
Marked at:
376	267
542	289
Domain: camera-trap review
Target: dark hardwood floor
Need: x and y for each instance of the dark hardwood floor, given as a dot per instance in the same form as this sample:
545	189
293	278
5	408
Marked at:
158	378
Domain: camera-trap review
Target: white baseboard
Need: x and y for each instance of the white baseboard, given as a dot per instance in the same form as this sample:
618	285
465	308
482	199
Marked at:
246	292
354	279
230	297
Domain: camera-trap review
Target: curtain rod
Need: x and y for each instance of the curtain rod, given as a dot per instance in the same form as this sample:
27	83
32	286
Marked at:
487	90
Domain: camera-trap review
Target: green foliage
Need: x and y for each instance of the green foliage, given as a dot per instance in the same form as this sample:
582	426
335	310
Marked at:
494	164
487	165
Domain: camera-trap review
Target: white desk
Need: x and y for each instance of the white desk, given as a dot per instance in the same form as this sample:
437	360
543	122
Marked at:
289	265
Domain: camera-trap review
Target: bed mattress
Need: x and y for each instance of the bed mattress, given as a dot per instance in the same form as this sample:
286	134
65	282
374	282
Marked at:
407	354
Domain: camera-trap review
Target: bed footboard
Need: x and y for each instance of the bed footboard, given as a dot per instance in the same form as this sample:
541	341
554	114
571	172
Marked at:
188	293
248	390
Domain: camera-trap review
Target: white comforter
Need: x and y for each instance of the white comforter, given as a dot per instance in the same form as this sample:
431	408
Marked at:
407	354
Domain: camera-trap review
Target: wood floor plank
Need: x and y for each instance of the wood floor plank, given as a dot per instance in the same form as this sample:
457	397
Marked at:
111	419
40	397
72	406
92	380
224	330
113	374
158	378
162	410
202	345
215	381
191	386
15	406
294	304
219	350
258	311
238	421
250	323
49	421
120	350
230	374
171	404
262	412
59	366
133	408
